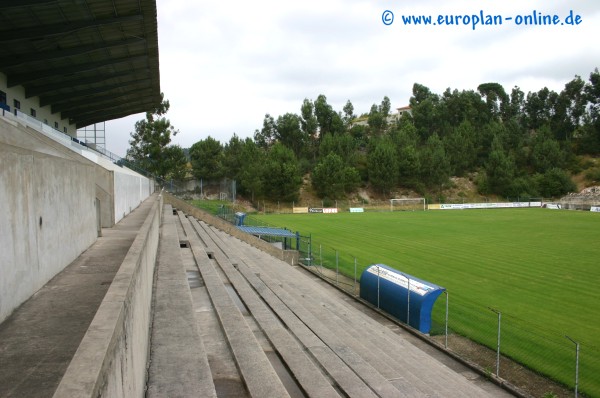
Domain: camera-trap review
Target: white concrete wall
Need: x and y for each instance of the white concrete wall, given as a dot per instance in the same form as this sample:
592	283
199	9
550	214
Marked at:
48	215
126	189
130	190
111	359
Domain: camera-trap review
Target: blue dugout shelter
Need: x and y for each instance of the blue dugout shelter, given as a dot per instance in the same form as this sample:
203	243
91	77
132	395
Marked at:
267	233
404	296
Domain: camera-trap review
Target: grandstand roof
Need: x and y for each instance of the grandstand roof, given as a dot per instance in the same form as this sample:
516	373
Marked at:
90	60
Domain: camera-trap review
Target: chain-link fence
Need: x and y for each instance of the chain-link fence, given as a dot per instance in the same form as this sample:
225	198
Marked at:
222	189
538	359
341	206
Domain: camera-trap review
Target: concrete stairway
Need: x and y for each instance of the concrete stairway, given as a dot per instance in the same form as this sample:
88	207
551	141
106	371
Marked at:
397	361
251	325
178	361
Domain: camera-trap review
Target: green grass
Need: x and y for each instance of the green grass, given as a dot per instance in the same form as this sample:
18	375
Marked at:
540	267
211	206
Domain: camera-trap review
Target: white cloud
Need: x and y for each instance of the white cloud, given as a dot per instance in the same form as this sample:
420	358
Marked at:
223	65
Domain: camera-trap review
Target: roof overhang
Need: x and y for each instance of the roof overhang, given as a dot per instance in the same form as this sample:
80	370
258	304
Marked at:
91	60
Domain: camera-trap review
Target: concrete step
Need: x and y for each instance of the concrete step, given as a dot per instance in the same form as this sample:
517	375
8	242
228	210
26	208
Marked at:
307	373
407	371
178	361
257	372
403	354
360	365
417	371
341	374
226	376
353	327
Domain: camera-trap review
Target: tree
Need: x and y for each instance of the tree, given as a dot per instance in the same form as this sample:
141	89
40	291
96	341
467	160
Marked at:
331	178
592	92
282	172
385	107
308	120
569	109
309	124
456	107
342	145
233	160
496	98
461	148
265	137
152	135
349	115
378	116
175	162
420	93
250	176
383	166
486	137
514	109
546	153
499	169
435	167
538	108
589	133
289	133
405	139
207	159
424	108
324	114
376	120
553	183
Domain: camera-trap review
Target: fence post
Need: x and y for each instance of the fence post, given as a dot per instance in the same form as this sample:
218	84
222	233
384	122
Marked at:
354	286
337	268
309	250
377	286
498	344
576	364
408	303
446	331
321	255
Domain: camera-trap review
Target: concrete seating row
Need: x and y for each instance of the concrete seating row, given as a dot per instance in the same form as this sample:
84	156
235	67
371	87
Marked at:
178	365
327	346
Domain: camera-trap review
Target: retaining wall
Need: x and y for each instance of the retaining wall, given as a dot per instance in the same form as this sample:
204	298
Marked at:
130	190
47	194
289	256
112	357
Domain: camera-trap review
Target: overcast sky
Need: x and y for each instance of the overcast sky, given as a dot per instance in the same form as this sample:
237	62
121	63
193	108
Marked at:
223	65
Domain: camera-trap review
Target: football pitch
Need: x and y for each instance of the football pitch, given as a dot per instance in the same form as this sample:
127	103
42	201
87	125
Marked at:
537	265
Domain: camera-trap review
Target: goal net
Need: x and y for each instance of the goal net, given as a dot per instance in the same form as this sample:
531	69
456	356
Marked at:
410	204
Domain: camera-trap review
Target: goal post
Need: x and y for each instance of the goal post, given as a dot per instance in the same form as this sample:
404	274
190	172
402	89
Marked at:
408	204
